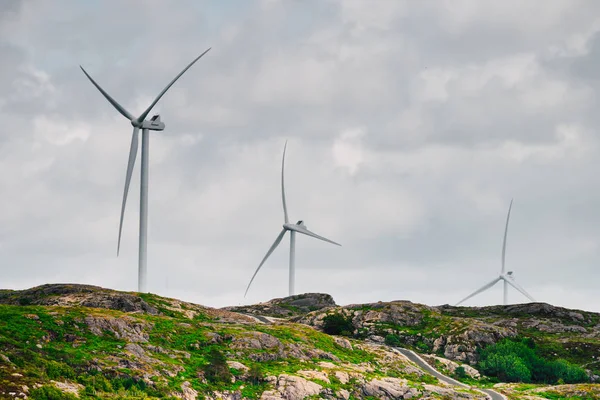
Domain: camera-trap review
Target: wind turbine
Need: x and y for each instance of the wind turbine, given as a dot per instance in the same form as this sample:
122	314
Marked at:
298	227
154	124
507	277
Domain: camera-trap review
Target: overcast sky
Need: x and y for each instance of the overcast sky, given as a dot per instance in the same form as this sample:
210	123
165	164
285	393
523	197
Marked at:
410	126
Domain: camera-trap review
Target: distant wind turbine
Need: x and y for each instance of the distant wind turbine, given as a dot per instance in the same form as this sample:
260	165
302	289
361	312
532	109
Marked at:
154	124
292	228
507	278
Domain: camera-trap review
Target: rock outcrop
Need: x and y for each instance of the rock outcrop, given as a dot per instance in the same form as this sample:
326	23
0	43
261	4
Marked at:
81	295
288	306
454	337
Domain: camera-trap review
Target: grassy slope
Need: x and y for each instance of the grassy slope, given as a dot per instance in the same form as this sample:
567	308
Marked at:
45	343
579	348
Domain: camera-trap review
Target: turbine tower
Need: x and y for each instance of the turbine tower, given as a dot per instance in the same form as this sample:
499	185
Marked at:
154	124
298	227
507	278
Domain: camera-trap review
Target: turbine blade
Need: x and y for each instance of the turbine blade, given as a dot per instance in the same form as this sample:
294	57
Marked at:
519	288
483	288
285	213
130	163
505	234
145	113
112	101
305	231
273	247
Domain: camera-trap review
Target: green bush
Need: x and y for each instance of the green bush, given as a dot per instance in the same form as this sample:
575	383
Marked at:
460	372
392	340
506	367
517	361
127	383
56	370
255	375
95	383
50	393
24	301
217	369
338	324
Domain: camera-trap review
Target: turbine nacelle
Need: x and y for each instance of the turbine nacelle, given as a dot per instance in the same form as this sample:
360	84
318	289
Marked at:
298	226
154	124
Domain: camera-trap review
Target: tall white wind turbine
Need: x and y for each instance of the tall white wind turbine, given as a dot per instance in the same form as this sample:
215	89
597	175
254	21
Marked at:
154	124
298	227
507	277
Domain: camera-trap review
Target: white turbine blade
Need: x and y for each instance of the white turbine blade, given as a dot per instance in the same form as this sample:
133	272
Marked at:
112	101
285	213
145	113
505	234
519	288
130	163
305	231
484	288
273	247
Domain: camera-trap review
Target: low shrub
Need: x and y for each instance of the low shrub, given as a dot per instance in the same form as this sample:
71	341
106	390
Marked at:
338	324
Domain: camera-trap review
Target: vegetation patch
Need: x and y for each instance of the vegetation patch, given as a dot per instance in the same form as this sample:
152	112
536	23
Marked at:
517	361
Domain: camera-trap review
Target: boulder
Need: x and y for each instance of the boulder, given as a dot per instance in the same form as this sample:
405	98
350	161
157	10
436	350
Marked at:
291	388
389	388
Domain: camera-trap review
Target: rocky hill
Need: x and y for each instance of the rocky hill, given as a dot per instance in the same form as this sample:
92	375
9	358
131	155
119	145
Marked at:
457	332
288	306
76	341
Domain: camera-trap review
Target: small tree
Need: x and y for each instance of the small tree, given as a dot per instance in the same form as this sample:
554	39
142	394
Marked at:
460	372
217	369
255	375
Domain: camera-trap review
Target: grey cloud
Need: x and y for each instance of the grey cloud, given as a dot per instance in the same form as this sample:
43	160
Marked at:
424	208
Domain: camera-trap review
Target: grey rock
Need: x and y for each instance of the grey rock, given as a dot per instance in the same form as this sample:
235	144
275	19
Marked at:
388	389
288	306
291	388
127	328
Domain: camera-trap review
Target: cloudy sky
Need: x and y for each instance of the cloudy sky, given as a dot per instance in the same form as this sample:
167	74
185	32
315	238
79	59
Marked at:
410	127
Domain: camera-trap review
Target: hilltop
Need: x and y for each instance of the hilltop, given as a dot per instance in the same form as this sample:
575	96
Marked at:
69	341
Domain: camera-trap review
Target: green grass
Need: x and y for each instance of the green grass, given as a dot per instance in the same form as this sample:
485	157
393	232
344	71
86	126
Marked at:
69	350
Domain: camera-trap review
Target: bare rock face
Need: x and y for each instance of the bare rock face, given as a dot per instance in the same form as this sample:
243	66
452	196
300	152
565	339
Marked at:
68	387
127	328
82	295
188	392
389	389
368	316
274	349
343	342
463	347
288	306
238	365
256	340
224	396
320	375
291	388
